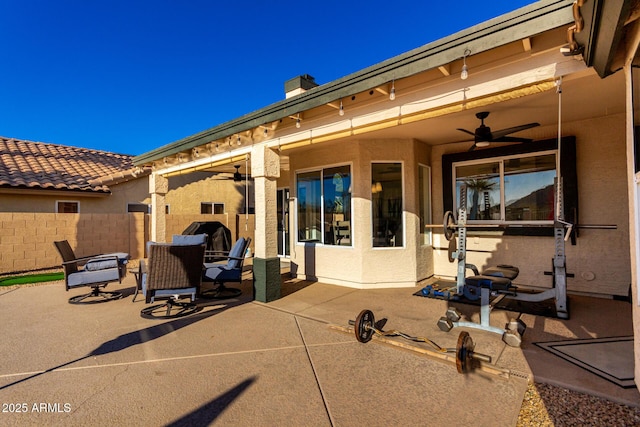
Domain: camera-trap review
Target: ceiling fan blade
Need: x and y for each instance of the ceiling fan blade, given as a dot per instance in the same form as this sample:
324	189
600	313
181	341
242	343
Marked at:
512	139
503	132
466	131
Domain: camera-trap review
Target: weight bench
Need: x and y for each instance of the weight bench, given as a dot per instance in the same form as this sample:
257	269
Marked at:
498	280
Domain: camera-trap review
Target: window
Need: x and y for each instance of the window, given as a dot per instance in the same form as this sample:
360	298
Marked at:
508	189
324	206
387	204
518	190
138	207
424	196
211	208
63	206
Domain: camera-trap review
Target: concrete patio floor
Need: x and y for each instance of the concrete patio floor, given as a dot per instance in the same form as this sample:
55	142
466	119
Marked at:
239	362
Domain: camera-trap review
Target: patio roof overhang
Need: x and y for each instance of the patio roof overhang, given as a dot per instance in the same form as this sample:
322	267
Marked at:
605	28
521	24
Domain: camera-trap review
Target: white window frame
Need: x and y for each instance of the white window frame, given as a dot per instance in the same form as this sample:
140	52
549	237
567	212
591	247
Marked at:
213	207
66	201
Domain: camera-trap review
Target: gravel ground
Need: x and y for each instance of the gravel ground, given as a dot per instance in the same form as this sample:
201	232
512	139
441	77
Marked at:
547	405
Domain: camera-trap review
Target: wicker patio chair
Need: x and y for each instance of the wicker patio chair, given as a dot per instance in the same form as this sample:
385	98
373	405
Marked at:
171	272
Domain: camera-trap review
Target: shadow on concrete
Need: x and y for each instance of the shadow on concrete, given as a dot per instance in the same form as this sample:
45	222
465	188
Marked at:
131	339
207	413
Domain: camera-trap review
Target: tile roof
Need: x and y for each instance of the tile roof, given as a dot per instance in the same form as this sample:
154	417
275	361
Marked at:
39	165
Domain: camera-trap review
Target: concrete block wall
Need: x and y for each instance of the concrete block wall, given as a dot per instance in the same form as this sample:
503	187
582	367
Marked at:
26	239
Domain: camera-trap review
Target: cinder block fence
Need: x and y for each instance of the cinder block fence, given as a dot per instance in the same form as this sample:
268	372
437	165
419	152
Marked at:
26	239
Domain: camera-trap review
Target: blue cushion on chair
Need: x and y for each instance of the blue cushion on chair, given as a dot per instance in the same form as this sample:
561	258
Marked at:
189	239
83	278
236	252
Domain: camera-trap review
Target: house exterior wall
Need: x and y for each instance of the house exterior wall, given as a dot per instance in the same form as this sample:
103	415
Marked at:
600	260
186	192
135	191
367	267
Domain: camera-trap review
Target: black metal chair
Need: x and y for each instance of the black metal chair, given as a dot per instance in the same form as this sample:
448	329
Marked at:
229	271
95	271
172	272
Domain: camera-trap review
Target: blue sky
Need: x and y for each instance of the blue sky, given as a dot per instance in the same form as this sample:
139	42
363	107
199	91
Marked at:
131	75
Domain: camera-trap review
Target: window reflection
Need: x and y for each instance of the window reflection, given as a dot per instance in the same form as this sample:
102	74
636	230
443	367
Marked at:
387	204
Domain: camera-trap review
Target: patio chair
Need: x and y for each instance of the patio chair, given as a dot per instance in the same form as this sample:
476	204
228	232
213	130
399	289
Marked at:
229	271
178	239
171	272
95	271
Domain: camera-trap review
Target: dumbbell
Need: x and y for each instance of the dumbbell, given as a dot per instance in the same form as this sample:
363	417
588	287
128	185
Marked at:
365	326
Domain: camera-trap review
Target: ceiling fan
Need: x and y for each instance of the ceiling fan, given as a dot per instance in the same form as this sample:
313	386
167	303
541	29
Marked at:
236	176
483	135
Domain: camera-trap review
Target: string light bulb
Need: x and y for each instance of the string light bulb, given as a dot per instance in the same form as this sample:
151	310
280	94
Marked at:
465	70
392	93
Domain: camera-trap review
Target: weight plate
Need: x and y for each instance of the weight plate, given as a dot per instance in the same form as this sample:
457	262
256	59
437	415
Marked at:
453	248
464	352
364	326
472	293
449	223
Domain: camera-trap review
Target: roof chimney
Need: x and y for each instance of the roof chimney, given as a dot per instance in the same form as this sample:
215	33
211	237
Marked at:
299	85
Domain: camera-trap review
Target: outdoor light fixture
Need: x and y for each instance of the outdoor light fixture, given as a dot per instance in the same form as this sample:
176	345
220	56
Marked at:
465	70
298	121
392	94
341	111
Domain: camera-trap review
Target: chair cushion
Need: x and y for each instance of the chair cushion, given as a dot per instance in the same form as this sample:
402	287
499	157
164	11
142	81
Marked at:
236	252
168	293
103	261
222	273
189	239
84	278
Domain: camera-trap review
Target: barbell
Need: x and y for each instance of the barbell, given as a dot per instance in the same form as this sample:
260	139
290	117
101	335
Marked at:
450	226
365	327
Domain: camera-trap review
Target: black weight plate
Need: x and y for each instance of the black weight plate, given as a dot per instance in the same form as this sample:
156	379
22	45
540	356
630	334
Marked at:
364	326
449	222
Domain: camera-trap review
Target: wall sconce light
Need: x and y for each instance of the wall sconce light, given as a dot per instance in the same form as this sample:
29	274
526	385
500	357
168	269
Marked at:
465	70
392	93
341	111
376	187
298	121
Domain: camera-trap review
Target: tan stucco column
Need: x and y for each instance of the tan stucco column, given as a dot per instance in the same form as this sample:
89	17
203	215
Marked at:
265	170
158	187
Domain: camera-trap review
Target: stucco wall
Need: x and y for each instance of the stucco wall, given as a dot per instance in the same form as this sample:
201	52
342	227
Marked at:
187	192
600	259
366	266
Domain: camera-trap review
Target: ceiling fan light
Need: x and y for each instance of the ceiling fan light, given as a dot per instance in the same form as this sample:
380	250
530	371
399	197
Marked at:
482	144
